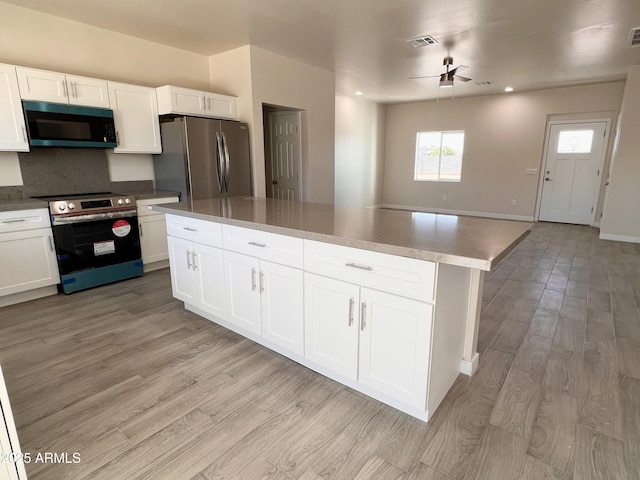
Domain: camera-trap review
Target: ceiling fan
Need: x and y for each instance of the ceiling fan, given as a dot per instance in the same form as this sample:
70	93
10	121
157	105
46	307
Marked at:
446	78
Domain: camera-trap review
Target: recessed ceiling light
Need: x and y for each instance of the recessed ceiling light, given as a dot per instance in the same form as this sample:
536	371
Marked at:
359	93
508	89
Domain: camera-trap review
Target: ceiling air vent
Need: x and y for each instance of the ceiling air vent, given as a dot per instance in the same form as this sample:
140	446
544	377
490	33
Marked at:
634	37
488	83
423	41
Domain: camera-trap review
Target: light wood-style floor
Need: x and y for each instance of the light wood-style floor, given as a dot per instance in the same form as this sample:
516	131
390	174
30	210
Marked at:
145	390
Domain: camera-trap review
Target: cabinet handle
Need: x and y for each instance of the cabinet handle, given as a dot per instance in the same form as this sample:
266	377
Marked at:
189	265
208	104
363	316
261	282
73	90
253	279
51	243
256	244
202	104
361	267
65	93
351	304
24	133
190	229
140	228
15	221
117	137
195	265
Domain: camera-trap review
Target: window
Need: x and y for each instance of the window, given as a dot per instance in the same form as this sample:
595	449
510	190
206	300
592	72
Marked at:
575	141
439	156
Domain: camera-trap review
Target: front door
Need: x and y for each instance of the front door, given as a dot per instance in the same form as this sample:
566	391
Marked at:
572	172
285	156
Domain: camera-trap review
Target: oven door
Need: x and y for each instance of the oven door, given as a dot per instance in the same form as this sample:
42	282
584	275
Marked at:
97	249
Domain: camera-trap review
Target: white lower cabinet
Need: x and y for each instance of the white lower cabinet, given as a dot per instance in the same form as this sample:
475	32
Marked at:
27	255
266	299
153	233
380	340
242	275
332	315
395	346
197	275
331	324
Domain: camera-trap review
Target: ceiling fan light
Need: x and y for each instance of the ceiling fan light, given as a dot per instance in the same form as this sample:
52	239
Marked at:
446	83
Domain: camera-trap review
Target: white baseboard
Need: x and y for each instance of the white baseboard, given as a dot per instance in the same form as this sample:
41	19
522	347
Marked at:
469	367
501	216
619	238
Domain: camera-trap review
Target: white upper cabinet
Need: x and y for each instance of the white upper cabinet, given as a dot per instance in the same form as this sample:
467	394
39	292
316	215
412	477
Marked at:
13	133
90	92
185	101
56	87
135	113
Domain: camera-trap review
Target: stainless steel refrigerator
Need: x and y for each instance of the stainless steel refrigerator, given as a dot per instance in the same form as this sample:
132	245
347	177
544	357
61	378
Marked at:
204	158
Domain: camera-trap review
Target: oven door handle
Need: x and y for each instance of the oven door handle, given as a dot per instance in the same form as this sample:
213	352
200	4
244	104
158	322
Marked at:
62	220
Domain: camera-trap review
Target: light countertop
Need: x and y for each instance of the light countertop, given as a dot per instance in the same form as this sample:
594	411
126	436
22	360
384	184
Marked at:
457	240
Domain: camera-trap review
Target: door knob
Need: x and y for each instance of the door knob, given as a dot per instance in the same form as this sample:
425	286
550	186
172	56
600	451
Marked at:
547	179
275	182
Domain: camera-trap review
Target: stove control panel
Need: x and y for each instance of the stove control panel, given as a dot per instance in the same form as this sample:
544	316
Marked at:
91	204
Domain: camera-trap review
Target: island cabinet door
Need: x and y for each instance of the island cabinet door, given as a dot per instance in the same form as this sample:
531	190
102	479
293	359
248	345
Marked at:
183	279
208	265
395	339
242	274
331	324
282	306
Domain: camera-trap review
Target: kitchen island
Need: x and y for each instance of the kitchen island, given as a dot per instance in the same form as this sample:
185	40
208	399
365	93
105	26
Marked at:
384	301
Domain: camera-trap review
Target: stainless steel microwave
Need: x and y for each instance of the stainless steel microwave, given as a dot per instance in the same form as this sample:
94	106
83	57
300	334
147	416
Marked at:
59	125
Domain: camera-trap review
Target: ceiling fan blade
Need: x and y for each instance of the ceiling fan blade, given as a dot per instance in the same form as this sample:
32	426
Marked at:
428	76
461	78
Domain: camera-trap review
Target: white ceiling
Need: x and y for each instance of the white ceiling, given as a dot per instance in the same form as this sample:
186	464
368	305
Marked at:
527	44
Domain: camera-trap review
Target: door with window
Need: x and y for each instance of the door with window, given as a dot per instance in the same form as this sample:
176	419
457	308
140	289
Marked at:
572	172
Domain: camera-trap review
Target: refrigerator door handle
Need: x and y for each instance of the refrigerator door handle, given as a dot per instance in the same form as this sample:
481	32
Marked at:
219	162
226	163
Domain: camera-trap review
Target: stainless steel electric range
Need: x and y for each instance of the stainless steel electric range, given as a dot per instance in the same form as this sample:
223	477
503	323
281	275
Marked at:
96	239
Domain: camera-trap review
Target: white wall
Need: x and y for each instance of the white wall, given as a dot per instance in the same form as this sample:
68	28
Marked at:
280	81
359	146
230	74
621	218
504	135
38	40
262	77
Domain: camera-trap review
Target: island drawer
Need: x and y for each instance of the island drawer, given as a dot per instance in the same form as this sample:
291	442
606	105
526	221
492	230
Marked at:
20	220
264	245
390	273
199	231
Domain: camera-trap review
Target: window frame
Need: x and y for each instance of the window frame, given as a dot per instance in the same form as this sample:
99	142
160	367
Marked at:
416	157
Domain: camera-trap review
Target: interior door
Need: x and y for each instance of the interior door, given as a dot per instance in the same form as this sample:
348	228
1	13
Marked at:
285	156
572	172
